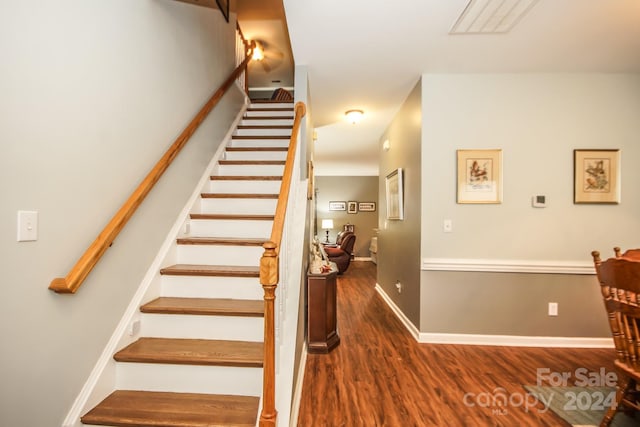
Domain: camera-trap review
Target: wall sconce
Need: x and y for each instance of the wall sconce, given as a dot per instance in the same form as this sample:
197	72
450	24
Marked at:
354	116
258	52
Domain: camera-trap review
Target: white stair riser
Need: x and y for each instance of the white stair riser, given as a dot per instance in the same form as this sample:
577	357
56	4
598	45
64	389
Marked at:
255	155
238	206
250	170
231	228
219	254
236	328
244	186
189	379
266	122
212	287
272	105
261	132
258	143
267	113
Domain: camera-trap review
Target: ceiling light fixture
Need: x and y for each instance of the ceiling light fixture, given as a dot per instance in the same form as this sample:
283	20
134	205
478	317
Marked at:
491	16
354	116
258	52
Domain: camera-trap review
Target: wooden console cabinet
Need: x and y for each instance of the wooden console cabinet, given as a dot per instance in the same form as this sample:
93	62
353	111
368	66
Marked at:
322	324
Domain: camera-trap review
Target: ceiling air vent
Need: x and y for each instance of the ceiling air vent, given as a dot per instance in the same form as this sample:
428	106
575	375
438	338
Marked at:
491	16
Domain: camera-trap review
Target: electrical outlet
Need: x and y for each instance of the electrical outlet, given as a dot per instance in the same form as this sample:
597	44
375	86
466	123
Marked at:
553	309
447	226
134	327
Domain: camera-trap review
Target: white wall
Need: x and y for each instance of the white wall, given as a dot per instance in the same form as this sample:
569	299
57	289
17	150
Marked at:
93	93
537	120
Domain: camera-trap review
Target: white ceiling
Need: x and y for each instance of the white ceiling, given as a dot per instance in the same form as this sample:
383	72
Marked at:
369	54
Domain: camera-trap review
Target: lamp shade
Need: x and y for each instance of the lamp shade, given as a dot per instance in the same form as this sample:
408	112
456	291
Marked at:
327	224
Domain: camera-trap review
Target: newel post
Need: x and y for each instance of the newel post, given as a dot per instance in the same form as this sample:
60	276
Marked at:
269	282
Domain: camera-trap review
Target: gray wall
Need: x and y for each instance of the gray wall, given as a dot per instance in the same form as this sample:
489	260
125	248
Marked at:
93	93
399	241
537	120
348	188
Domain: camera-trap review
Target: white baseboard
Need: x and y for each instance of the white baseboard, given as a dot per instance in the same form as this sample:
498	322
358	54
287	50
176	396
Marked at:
498	340
362	258
515	341
297	391
404	319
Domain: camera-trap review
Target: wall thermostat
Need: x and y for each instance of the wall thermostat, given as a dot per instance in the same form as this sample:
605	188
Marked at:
539	201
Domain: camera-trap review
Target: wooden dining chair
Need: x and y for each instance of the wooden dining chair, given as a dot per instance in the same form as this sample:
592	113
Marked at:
619	279
629	253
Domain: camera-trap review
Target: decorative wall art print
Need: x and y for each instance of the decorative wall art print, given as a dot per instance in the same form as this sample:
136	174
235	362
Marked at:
596	176
337	206
352	207
479	176
394	193
367	206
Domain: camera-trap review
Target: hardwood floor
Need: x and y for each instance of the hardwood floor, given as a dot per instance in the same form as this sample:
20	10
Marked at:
380	376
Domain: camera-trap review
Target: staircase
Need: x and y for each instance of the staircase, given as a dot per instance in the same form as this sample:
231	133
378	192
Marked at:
199	359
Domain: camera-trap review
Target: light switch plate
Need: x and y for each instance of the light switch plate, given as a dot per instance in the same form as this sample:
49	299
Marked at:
27	226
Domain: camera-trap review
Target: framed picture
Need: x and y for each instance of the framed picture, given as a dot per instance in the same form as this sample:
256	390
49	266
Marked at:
224	8
352	207
394	193
337	206
367	206
479	176
596	176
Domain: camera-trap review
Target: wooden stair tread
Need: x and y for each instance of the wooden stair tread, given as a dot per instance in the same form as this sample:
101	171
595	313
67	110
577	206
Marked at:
261	137
270	109
246	177
269	149
265	126
181	351
148	408
238	196
230	241
239	217
211	270
268	117
251	162
205	306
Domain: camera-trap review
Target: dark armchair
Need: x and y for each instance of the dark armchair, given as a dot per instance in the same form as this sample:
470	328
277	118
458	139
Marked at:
340	253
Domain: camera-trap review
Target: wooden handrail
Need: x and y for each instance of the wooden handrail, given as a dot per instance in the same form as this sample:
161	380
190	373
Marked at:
88	260
269	277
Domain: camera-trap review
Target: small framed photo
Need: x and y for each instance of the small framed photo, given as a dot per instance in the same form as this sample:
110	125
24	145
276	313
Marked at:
367	206
337	206
352	207
596	176
479	176
394	193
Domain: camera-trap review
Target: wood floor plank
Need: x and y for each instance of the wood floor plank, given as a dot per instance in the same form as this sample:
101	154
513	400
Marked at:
380	375
193	352
155	409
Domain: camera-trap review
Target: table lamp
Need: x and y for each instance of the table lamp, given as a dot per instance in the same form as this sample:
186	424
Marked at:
327	224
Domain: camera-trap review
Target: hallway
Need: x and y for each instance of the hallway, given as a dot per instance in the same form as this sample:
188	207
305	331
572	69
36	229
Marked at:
380	376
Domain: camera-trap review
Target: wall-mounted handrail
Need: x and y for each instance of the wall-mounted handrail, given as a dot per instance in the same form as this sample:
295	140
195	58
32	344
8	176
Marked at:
269	277
88	260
